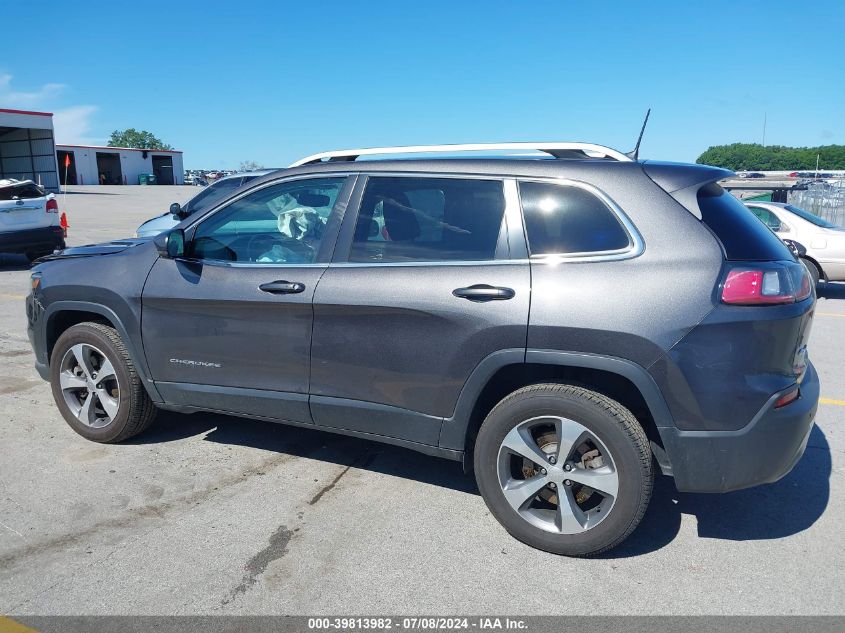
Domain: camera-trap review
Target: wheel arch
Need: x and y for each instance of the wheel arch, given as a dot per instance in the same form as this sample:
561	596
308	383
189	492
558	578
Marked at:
507	370
815	262
61	315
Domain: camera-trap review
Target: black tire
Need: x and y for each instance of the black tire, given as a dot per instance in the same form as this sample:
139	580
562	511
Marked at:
608	421
135	412
814	271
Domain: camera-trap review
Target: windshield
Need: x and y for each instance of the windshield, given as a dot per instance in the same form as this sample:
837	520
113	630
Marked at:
212	194
806	215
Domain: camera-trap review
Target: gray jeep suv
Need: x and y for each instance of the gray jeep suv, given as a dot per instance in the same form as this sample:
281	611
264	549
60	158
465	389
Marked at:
564	323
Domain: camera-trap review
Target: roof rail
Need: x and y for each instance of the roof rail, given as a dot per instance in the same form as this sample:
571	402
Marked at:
558	150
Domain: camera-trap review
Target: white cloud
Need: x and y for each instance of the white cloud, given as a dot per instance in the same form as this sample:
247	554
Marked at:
10	98
72	126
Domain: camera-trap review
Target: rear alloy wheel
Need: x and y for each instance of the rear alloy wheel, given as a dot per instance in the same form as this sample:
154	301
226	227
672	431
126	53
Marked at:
96	386
564	469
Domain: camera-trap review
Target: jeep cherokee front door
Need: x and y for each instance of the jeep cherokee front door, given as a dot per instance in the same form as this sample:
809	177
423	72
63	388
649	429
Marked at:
228	327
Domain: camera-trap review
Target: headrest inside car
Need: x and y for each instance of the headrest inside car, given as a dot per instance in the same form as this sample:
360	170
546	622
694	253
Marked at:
307	199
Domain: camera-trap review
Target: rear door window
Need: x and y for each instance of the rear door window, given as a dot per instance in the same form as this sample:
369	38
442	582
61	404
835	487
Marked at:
562	219
414	219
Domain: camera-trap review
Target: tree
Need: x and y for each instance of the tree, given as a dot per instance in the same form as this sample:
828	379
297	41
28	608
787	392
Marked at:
139	140
753	156
250	165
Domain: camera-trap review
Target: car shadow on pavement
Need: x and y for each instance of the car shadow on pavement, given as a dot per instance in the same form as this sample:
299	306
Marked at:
773	511
831	290
88	193
329	447
14	262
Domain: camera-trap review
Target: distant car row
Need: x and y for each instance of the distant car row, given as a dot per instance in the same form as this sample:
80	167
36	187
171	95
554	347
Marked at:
817	175
804	176
203	200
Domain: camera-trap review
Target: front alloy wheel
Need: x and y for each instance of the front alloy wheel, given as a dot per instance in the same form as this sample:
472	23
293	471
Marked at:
89	385
96	386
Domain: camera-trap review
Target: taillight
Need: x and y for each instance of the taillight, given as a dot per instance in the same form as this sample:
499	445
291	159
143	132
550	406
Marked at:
772	285
52	206
789	396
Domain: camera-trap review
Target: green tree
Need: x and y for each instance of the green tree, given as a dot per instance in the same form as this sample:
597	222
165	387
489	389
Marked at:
250	165
131	137
753	156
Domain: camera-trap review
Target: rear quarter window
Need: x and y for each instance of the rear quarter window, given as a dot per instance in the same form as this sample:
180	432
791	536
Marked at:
562	219
743	236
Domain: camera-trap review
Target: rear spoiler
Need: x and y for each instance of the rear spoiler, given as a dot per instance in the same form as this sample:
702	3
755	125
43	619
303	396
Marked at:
683	180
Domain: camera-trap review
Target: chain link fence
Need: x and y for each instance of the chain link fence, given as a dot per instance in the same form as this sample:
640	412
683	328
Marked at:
822	199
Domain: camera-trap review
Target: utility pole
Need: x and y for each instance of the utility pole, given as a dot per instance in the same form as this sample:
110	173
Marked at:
764	129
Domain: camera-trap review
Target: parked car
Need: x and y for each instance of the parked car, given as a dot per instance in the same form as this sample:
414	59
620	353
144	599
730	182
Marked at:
203	200
29	219
822	243
563	326
751	174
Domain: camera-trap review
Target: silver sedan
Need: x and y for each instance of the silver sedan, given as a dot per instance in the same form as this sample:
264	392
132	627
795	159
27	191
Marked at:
821	244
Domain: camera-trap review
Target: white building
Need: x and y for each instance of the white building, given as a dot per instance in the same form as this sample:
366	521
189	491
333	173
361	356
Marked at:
26	147
95	165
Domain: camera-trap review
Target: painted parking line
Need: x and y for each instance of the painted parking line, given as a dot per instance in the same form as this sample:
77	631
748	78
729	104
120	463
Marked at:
840	403
831	314
8	625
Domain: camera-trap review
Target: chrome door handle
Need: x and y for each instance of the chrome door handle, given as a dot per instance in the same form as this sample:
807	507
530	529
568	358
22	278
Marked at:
483	292
282	287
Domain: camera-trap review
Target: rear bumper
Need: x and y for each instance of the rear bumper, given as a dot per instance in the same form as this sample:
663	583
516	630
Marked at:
44	239
762	452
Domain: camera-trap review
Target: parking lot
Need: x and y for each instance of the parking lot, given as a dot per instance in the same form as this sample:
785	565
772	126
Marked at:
211	514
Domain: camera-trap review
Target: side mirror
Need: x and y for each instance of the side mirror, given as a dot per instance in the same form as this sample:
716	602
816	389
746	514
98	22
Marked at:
178	211
171	244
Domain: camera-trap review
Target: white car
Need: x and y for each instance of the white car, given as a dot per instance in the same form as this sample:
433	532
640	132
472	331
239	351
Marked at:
821	244
205	199
29	219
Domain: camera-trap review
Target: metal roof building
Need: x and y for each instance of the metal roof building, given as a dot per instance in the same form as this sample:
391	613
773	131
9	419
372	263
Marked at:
27	151
99	165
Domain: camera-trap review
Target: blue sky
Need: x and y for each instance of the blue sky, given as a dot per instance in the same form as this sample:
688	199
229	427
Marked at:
274	81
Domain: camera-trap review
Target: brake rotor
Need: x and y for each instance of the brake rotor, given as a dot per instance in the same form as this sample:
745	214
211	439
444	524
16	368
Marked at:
589	459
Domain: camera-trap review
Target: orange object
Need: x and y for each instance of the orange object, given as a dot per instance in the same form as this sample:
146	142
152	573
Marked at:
67	160
63	223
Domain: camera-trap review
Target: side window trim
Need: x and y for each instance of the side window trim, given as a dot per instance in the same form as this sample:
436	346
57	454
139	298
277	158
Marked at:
512	217
330	236
636	245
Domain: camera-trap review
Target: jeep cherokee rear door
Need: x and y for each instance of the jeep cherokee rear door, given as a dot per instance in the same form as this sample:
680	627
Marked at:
424	284
228	327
